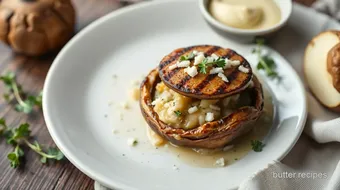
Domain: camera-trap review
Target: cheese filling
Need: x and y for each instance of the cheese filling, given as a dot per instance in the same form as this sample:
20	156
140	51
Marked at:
183	112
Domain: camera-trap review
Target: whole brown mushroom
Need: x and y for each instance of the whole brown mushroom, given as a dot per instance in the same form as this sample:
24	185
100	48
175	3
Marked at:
35	27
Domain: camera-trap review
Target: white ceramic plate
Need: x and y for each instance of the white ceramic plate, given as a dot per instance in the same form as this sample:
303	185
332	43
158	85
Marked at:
80	89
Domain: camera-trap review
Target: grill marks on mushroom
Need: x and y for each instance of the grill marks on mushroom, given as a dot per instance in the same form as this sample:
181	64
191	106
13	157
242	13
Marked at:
204	86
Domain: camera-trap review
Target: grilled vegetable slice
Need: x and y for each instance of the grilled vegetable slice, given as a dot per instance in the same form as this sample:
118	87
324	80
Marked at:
205	85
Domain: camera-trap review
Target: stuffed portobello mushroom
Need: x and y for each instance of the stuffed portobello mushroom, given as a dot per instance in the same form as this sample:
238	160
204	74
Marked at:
201	97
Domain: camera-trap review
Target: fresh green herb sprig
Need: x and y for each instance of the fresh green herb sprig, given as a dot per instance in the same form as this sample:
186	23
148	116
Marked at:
219	62
3	126
188	57
257	145
19	137
203	66
15	156
178	113
265	63
15	91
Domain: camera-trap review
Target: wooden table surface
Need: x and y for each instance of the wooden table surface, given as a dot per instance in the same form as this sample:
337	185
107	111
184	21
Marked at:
31	73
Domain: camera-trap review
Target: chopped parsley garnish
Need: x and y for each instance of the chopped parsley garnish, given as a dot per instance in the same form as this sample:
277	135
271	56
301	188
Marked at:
187	57
265	63
257	145
134	143
203	66
178	113
219	62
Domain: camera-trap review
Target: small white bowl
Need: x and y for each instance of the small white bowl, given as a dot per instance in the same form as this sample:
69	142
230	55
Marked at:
246	35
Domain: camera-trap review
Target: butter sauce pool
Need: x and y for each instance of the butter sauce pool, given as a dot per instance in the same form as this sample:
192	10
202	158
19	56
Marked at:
241	145
137	128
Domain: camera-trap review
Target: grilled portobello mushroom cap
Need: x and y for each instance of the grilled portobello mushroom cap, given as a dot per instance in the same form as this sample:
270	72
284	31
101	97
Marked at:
215	134
204	86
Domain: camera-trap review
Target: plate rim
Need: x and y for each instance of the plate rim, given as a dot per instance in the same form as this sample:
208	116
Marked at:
51	128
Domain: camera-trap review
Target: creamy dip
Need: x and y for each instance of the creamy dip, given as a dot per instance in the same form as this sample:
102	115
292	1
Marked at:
246	14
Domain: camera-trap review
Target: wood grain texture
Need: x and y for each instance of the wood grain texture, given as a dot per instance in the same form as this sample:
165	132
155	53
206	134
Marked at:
31	73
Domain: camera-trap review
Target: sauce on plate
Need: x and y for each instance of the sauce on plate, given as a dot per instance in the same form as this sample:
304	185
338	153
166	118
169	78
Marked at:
240	147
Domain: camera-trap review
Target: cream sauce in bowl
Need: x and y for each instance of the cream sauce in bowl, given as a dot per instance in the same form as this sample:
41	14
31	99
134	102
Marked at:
246	14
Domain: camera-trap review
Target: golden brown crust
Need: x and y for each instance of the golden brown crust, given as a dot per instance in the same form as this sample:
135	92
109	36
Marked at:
204	86
213	134
333	66
36	27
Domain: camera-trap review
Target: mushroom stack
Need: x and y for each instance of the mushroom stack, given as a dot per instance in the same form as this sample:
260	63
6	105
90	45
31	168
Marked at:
201	97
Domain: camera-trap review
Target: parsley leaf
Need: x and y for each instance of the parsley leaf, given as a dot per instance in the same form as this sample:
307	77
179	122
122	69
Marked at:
219	62
14	90
21	132
265	63
203	66
27	107
260	41
178	113
188	57
38	99
8	79
257	145
57	154
15	156
3	126
18	137
269	62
